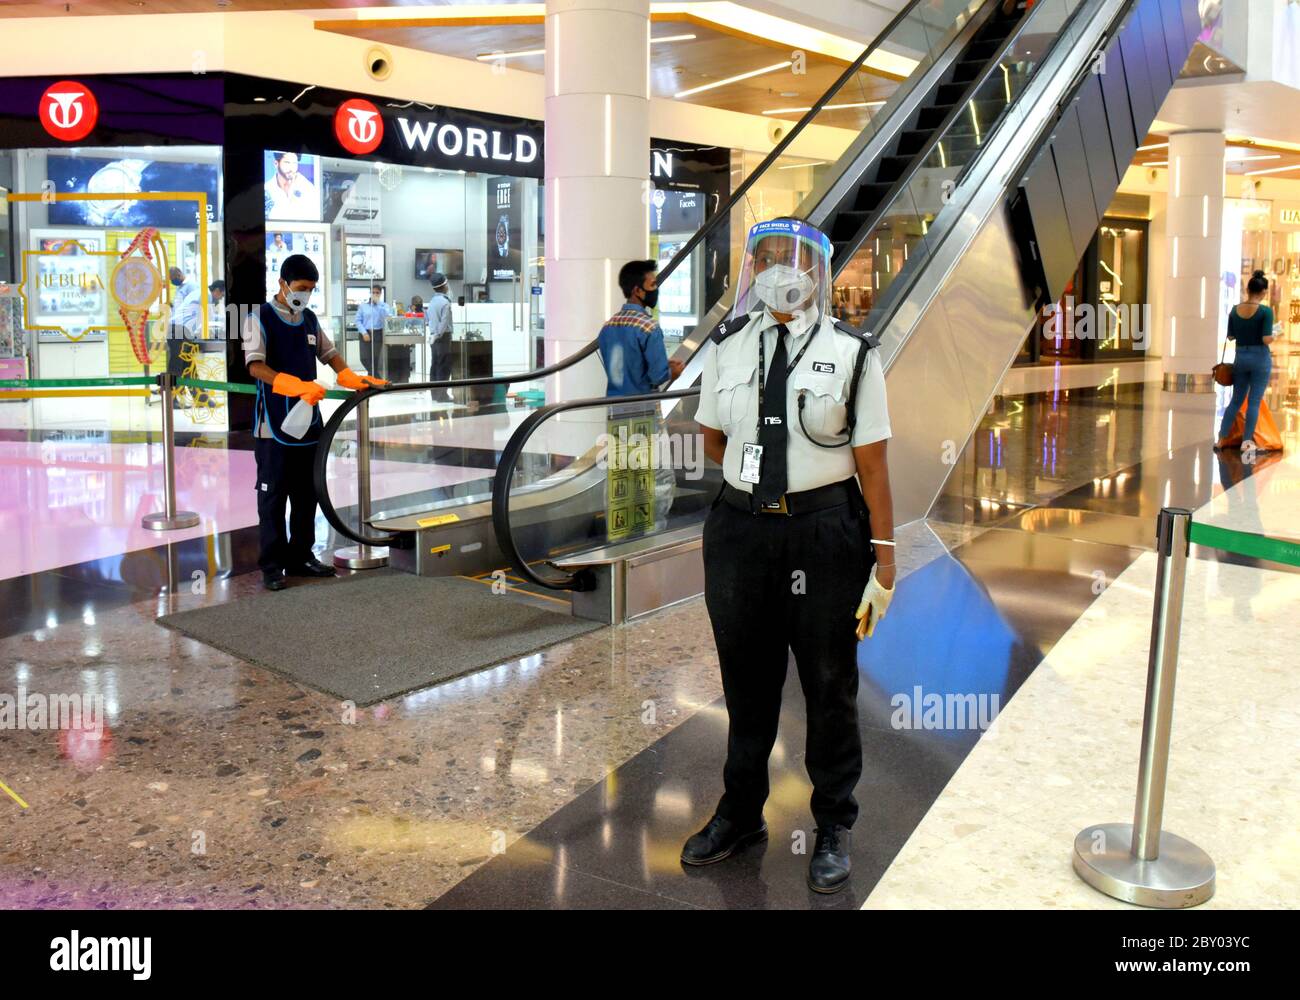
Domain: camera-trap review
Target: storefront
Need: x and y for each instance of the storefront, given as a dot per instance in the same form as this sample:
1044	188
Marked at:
1267	232
377	192
112	209
1104	313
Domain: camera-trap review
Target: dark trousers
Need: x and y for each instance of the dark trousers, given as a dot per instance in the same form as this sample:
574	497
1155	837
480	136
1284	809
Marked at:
775	584
372	354
284	476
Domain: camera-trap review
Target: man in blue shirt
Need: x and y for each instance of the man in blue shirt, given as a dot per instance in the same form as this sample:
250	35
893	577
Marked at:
636	363
631	343
370	324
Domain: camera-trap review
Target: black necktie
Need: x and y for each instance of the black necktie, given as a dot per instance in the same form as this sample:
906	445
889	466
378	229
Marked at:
772	434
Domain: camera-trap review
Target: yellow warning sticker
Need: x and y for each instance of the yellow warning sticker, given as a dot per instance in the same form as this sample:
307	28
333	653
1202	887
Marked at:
433	522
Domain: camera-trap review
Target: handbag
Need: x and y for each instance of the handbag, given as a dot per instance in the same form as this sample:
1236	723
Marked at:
1223	371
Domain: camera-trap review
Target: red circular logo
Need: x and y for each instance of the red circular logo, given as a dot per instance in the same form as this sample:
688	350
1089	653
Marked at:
358	126
69	110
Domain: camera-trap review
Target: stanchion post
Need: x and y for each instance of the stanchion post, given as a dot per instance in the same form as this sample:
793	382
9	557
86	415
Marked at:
171	518
1139	862
362	556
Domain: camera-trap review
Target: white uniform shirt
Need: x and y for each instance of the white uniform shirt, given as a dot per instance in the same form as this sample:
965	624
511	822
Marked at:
729	400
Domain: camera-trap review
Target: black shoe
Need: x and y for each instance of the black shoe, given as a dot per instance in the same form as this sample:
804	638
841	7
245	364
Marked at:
312	567
274	581
828	870
720	839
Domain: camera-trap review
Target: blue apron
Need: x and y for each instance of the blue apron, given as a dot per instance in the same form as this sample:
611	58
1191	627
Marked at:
290	349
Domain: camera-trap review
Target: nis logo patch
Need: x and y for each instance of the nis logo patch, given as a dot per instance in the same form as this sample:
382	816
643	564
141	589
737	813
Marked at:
68	110
358	126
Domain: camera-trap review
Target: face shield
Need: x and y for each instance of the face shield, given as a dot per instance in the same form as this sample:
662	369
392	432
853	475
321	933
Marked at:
786	269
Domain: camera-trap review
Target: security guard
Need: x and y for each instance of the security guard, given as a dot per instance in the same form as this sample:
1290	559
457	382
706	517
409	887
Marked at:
282	343
792	405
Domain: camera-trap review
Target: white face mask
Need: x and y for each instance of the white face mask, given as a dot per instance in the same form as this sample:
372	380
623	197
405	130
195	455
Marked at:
783	288
297	300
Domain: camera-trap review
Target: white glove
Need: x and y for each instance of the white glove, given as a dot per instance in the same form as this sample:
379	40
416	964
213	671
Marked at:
875	602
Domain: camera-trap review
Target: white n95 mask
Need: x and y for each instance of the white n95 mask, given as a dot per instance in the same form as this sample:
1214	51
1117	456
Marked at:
783	288
297	300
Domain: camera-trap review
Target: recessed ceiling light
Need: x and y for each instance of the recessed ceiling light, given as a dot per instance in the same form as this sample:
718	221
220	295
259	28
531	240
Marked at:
789	93
1272	170
735	79
825	107
520	54
525	53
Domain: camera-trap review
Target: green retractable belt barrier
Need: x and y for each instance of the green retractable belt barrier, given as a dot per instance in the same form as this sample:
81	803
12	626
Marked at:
76	383
1280	550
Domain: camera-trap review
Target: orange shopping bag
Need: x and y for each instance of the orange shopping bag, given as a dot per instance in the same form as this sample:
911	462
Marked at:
1267	436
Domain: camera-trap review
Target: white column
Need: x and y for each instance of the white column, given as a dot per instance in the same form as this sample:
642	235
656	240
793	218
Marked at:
597	163
1194	225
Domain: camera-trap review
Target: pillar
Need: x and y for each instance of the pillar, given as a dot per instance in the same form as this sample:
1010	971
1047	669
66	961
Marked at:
1194	229
597	164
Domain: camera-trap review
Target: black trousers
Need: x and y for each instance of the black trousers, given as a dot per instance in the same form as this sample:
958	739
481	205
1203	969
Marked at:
284	476
775	584
372	354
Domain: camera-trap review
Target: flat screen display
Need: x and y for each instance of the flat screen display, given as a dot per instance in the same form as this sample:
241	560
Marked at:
365	262
93	175
449	263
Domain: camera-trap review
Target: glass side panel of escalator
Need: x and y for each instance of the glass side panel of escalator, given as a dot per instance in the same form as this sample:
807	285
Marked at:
635	472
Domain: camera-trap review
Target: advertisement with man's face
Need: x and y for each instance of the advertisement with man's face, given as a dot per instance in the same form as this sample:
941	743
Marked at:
504	228
292	189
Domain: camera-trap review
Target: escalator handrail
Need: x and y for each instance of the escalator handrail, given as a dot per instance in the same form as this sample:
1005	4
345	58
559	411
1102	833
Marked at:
501	490
323	448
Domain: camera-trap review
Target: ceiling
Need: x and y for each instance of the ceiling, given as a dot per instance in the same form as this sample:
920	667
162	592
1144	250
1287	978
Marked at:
89	8
760	37
1243	156
699	53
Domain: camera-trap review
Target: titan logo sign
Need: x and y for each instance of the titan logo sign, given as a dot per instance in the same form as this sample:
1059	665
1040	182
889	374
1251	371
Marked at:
472	142
68	110
1291	216
358	126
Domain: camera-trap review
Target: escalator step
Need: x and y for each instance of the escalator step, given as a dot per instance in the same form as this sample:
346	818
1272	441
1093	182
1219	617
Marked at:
869	196
967	70
981	51
931	117
911	141
891	168
949	93
847	225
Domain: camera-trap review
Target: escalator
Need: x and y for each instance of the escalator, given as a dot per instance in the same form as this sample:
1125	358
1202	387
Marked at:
952	205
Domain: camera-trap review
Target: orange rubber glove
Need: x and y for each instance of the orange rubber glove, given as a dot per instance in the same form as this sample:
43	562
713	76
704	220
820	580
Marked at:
349	379
290	385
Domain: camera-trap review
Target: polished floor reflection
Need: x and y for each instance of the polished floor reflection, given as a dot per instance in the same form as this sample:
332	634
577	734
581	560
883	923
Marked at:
570	778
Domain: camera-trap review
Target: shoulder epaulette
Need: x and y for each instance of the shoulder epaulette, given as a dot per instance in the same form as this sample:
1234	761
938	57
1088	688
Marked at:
729	326
852	331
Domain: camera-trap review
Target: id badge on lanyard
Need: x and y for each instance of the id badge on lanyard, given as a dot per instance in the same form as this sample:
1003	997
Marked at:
751	464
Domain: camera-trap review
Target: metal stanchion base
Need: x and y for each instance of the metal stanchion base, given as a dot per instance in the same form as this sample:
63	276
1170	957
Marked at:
161	522
360	557
1182	876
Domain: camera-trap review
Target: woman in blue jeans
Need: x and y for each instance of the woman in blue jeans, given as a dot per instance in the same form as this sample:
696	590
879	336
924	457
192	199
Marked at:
1250	324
